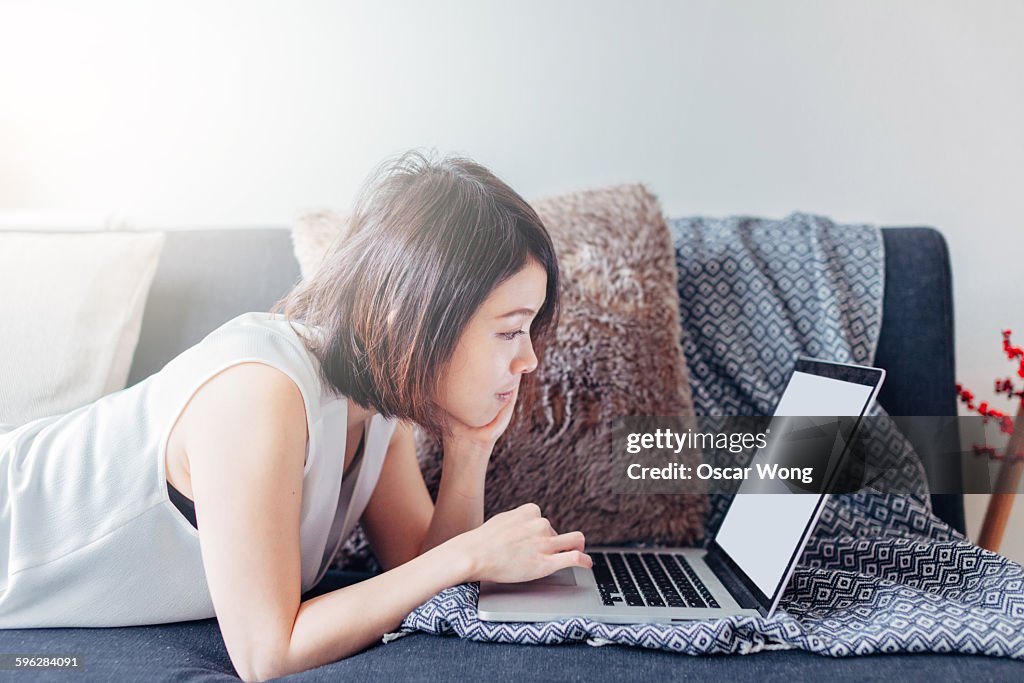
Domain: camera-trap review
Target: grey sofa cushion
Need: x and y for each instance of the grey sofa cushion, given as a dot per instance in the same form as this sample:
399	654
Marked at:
205	278
195	651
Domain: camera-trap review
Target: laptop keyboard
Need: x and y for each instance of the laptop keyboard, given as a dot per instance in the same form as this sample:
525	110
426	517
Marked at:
649	579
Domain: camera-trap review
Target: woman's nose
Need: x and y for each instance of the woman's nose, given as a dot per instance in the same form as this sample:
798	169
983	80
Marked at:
526	361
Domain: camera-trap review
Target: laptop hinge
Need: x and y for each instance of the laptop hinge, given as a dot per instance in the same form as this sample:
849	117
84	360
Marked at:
739	592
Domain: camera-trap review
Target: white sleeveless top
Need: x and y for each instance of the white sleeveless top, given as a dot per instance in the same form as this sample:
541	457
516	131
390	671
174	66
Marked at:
88	534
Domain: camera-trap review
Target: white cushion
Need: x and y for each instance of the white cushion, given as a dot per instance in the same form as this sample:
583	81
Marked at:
71	310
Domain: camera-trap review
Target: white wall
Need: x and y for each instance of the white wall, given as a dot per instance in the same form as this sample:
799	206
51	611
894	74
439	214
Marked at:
238	113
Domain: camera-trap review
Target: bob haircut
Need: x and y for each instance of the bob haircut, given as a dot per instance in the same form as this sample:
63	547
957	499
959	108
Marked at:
427	242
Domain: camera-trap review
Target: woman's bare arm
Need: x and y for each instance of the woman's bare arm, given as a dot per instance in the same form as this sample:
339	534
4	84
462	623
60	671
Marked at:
245	437
398	514
400	520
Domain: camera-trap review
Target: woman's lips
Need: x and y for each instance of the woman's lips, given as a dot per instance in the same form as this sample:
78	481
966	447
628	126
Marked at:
505	396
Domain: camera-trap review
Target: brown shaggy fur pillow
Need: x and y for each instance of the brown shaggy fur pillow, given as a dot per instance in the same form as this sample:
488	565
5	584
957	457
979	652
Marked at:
615	353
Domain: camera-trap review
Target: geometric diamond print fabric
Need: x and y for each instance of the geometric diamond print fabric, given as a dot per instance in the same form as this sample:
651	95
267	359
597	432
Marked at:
881	573
755	293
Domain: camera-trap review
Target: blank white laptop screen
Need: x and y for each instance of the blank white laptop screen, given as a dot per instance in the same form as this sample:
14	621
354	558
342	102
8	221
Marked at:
761	530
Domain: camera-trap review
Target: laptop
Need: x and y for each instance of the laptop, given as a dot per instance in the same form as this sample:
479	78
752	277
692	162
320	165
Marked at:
743	570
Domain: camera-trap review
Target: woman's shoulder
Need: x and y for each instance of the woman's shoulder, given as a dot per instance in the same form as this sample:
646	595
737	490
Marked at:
259	336
263	323
249	362
243	394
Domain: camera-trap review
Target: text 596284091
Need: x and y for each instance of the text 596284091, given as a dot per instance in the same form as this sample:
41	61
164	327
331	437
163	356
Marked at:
38	661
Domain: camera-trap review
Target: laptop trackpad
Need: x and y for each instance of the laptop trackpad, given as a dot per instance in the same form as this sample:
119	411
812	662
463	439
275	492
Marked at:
563	577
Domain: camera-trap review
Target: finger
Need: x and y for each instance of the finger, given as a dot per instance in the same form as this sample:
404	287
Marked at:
530	508
570	558
572	540
542	526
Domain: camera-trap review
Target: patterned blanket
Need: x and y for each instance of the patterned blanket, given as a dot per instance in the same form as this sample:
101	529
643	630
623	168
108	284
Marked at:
881	573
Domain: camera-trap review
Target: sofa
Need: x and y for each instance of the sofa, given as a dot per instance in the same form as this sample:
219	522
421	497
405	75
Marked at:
206	277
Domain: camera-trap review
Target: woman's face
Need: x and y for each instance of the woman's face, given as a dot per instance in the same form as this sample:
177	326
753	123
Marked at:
495	350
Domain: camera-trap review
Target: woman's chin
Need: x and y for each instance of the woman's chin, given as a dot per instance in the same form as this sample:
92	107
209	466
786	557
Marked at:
476	420
483	415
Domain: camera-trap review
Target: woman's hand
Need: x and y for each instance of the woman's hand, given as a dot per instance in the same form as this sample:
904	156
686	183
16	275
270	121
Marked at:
519	545
460	494
465	439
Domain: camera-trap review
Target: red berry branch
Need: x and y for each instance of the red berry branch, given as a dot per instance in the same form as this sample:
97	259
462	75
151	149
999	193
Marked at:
1002	386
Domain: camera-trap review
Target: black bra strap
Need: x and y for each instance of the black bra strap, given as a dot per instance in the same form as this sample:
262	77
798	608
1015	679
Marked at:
186	506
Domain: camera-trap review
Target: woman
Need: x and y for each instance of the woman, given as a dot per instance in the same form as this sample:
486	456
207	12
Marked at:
224	484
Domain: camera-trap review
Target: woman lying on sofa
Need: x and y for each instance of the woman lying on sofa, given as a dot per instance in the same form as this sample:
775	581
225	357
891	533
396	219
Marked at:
224	484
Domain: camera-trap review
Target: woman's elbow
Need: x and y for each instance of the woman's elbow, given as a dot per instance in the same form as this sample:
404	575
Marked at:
260	663
262	669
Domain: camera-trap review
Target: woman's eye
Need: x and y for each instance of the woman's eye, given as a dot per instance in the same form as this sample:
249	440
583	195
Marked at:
509	336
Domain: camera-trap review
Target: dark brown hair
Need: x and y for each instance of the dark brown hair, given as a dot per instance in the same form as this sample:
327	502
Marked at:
427	242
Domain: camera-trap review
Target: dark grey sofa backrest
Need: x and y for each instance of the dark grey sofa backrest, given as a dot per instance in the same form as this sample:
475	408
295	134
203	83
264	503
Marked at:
916	349
207	277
